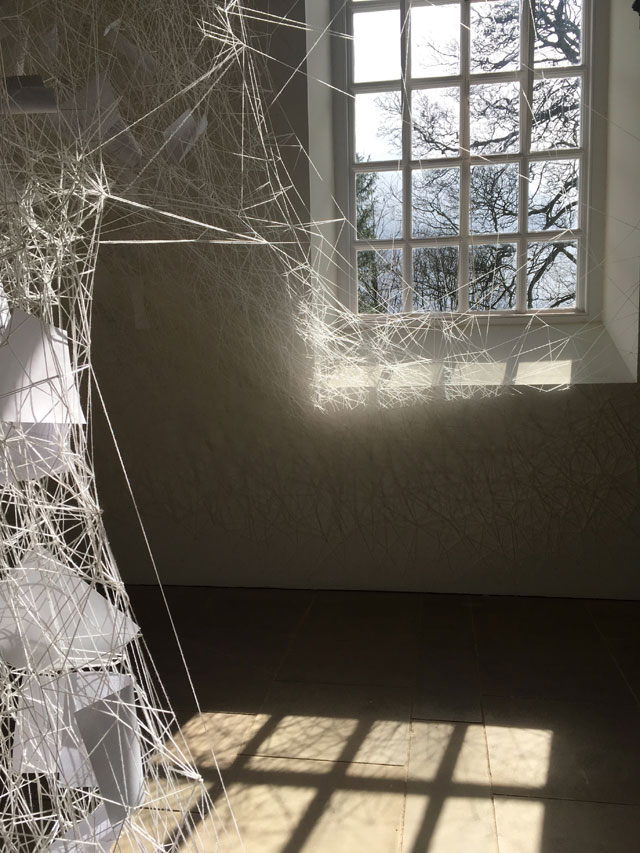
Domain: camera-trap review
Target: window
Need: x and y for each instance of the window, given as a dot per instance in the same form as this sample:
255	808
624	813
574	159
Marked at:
463	149
472	308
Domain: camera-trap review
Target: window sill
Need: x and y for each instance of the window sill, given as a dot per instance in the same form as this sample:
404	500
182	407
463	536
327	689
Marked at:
457	351
485	318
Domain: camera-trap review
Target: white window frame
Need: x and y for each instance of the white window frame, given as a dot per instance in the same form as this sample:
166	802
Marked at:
344	130
603	331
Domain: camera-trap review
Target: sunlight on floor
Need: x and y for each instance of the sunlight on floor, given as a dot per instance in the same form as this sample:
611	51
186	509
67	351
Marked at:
313	782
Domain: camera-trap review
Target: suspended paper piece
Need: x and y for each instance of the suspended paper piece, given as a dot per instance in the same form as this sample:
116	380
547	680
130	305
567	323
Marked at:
36	380
10	190
13	44
44	49
28	95
89	113
92	116
33	451
122	145
5	314
50	618
140	60
110	732
46	737
181	136
94	834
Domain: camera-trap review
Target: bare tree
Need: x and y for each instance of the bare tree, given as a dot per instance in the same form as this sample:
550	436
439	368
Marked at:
494	110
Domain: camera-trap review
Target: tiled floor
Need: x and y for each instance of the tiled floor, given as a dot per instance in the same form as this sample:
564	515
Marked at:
350	722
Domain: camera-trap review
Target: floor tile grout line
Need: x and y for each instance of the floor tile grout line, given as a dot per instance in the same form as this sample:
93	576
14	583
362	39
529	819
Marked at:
484	722
319	760
526	797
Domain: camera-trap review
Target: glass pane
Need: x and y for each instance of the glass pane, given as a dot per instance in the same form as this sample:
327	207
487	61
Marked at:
553	194
379	205
552	275
435	41
435	123
435	204
494	198
495	35
378	127
557	32
556	114
494	111
376	46
435	279
380	281
492	277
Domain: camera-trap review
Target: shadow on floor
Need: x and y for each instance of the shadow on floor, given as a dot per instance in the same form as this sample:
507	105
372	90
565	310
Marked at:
402	722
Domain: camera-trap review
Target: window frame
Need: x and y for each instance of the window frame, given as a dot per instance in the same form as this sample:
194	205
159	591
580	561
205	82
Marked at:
588	272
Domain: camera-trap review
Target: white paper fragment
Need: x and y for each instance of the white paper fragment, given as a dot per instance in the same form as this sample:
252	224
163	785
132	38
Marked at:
28	95
5	314
37	384
93	834
46	737
33	451
50	618
92	116
110	732
181	136
140	60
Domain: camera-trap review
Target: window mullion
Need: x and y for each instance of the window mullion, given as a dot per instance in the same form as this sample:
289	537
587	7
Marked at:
527	38
584	213
465	167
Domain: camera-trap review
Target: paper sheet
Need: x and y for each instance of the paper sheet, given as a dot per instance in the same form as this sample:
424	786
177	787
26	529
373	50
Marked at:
94	834
14	31
37	384
28	95
33	451
140	60
50	618
109	729
46	737
181	136
5	314
93	116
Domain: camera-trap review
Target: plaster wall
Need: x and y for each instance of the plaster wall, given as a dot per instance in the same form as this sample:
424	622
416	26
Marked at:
241	482
622	258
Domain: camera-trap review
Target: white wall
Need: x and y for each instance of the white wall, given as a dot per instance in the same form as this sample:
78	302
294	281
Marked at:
241	482
622	257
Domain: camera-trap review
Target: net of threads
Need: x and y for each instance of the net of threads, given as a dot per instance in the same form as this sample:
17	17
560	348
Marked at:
129	127
97	121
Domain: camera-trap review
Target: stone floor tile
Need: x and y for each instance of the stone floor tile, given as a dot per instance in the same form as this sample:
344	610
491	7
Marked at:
334	722
541	748
356	638
286	805
449	806
565	826
448	688
566	675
